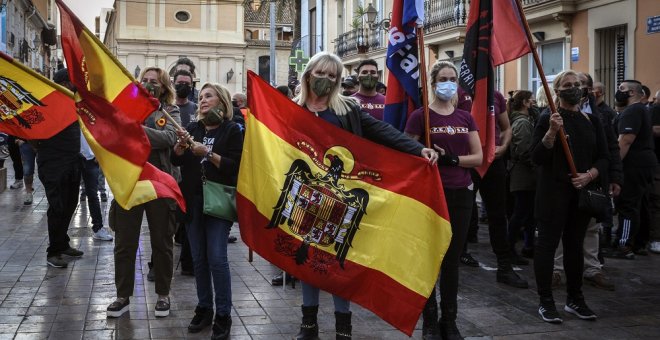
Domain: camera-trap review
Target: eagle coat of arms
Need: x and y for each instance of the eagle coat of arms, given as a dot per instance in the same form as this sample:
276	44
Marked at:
317	207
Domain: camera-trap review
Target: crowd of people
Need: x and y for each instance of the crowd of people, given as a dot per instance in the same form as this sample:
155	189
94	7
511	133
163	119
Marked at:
198	134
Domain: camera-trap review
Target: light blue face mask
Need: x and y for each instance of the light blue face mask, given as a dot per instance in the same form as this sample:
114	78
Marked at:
445	90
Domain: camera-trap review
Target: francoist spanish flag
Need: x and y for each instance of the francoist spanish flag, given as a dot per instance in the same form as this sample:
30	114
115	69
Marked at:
112	107
352	217
32	106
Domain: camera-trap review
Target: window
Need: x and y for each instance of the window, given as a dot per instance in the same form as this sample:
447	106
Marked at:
552	60
182	16
610	68
264	67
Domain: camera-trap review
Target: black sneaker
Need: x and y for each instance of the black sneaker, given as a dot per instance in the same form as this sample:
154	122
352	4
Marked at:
72	252
221	327
468	260
118	307
519	260
232	239
202	319
163	307
548	313
580	309
104	197
151	276
621	253
56	261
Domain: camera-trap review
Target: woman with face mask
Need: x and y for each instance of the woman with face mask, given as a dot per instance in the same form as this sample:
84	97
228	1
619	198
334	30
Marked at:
161	131
522	180
454	134
320	95
215	152
556	204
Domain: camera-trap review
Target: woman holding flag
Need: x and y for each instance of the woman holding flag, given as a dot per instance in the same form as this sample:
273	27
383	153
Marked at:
320	95
556	207
214	153
454	134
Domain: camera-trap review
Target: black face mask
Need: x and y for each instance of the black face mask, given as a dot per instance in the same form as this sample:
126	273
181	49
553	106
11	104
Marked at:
621	96
234	103
571	96
182	90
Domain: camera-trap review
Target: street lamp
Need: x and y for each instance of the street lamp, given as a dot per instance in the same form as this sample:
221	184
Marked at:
230	75
372	13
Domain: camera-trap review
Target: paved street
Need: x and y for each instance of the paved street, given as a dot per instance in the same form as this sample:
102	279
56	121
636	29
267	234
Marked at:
39	302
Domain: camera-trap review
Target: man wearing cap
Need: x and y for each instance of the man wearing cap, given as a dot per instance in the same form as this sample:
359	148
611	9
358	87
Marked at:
59	165
370	100
349	86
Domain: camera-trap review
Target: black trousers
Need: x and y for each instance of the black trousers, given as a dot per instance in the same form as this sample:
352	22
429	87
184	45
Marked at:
61	185
492	188
522	219
638	182
459	205
569	225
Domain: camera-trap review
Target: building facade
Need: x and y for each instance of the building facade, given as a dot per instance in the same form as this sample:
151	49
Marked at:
613	40
28	34
211	34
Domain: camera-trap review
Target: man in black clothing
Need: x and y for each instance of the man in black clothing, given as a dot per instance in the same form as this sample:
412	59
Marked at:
639	162
59	163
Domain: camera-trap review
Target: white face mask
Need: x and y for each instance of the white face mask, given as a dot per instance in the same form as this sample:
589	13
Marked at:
445	90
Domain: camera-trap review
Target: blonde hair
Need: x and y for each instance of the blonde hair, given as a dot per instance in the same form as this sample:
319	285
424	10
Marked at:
541	99
558	79
225	100
433	73
167	94
330	62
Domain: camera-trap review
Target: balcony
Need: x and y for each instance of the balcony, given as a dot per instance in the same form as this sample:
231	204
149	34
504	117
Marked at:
359	40
445	14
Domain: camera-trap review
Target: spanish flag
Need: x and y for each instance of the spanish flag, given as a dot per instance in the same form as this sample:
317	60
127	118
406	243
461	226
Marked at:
112	107
31	106
342	213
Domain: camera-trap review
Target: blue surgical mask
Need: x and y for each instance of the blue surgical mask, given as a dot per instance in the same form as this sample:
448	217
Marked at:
445	90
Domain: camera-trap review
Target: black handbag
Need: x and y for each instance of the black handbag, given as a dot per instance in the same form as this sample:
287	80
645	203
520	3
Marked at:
594	202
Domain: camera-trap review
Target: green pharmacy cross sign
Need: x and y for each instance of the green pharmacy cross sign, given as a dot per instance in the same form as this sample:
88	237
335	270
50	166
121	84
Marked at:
299	61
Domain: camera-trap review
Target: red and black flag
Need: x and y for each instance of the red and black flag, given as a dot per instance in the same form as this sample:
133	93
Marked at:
495	35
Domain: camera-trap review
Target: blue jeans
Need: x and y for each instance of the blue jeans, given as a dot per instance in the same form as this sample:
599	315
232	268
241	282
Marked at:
311	298
90	175
28	156
208	244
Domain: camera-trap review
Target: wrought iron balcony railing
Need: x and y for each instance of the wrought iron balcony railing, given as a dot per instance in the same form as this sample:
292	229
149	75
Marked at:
444	14
359	40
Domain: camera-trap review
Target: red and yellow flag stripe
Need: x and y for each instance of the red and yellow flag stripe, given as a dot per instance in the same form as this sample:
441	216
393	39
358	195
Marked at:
32	106
395	256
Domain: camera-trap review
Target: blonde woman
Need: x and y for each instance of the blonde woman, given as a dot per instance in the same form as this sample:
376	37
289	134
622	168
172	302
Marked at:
320	95
216	150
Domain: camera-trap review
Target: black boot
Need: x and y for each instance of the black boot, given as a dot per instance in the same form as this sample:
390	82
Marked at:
343	326
430	330
203	317
448	329
309	329
221	327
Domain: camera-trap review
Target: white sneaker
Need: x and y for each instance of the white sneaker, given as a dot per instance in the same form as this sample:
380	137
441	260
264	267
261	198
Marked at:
102	235
27	199
16	185
655	247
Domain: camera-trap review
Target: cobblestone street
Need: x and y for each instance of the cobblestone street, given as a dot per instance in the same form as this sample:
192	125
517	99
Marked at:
40	302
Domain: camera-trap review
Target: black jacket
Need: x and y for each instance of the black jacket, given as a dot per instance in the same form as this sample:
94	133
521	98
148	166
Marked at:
589	148
362	124
228	144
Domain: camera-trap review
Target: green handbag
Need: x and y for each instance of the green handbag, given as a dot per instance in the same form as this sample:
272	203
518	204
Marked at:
219	200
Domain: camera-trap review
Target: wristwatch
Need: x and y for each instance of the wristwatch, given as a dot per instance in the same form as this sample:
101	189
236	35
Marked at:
209	155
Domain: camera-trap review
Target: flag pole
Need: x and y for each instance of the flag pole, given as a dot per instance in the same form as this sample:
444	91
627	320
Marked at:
551	103
425	93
